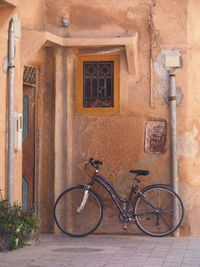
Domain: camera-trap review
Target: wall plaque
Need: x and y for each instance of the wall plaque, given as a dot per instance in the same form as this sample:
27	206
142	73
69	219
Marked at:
155	137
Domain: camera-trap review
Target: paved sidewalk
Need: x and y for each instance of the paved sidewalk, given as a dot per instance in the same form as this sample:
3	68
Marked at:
99	251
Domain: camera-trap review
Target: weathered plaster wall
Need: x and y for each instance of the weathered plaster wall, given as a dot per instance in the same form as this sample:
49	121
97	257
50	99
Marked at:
3	96
189	138
98	19
118	139
32	14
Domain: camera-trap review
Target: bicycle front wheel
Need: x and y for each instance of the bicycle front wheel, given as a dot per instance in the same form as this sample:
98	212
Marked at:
76	215
159	212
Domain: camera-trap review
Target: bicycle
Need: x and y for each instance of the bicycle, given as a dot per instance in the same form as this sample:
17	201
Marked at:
157	210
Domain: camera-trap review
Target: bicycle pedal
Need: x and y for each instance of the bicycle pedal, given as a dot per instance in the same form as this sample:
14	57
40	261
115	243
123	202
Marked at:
125	227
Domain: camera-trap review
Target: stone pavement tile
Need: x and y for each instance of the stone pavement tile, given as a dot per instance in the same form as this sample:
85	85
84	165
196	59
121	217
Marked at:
147	246
123	253
100	257
143	252
95	264
80	262
152	265
126	250
179	254
161	249
49	265
114	264
192	253
174	259
165	239
154	260
172	264
94	260
99	262
181	244
7	265
158	255
117	261
190	261
194	243
136	261
124	256
77	264
177	251
130	247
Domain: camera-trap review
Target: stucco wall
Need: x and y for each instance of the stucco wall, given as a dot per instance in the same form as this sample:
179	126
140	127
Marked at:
32	14
118	139
3	95
189	137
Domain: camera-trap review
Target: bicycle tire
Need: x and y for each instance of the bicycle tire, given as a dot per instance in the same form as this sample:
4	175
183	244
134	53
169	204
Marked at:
72	222
160	223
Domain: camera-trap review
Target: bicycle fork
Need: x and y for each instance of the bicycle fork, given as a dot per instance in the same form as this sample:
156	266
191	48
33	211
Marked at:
84	200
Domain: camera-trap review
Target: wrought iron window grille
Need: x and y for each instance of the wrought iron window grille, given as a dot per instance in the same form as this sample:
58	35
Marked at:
98	80
29	76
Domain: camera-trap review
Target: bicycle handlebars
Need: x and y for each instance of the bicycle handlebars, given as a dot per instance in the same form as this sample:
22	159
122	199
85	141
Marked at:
94	163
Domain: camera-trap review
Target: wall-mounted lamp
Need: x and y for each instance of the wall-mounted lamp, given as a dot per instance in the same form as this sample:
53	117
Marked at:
65	22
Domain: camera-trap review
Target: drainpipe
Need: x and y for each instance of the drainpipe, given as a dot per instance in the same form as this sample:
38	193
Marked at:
173	130
11	70
173	135
173	62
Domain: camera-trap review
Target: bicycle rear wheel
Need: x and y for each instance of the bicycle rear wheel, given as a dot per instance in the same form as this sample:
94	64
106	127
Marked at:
165	218
68	217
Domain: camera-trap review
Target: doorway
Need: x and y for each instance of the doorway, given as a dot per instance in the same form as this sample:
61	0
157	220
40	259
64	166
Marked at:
28	139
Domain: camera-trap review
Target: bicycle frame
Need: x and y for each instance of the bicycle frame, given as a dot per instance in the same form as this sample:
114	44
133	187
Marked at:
117	198
113	192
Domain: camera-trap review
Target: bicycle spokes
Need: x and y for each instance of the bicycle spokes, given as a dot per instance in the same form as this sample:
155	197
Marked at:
158	221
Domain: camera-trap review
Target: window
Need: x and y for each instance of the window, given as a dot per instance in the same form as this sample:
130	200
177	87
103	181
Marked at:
97	84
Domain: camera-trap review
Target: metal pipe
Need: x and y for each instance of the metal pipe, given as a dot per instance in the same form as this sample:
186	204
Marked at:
11	70
173	140
173	130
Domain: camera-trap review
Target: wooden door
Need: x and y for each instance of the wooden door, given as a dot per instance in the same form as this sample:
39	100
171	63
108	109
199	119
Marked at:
28	147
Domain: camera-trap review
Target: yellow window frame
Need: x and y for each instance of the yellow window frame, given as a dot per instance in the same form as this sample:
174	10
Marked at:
79	84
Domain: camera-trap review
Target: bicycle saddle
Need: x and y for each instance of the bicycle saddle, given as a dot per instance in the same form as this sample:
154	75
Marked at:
139	172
